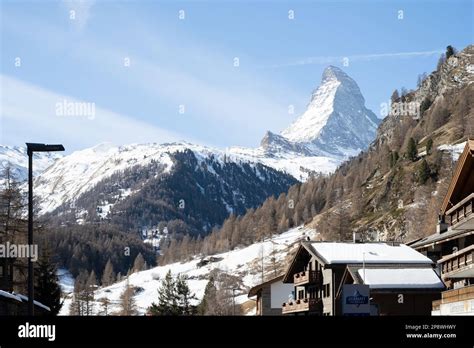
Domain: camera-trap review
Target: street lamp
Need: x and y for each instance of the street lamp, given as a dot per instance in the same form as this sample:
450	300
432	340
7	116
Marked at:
31	148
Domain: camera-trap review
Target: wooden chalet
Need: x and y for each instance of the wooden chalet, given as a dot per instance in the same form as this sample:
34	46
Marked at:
269	296
452	246
319	270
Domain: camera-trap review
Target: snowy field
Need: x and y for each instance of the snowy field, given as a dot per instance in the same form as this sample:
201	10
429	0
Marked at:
242	262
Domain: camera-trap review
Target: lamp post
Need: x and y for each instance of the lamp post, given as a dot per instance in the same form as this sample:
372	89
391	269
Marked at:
31	148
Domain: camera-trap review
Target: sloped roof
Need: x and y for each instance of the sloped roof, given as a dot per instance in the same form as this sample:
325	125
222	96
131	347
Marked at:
253	291
400	278
383	253
462	182
439	238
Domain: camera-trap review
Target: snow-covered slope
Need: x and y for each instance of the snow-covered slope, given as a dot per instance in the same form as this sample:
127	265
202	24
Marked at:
244	263
78	172
138	186
16	158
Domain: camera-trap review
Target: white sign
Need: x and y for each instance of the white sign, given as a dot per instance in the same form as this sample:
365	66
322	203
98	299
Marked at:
355	299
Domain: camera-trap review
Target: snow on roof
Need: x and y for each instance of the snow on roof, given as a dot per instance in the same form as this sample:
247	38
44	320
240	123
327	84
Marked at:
8	295
368	253
25	299
401	278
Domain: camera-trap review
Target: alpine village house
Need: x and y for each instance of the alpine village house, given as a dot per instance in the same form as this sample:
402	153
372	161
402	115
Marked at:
452	246
432	275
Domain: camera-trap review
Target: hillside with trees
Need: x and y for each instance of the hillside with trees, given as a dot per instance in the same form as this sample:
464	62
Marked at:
392	191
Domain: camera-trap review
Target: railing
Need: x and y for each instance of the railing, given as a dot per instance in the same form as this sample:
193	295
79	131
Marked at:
455	295
461	211
457	261
306	277
304	305
436	305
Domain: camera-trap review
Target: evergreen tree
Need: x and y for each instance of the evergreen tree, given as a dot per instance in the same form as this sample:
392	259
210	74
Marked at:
167	298
47	289
208	301
449	51
429	146
412	150
424	172
395	96
184	296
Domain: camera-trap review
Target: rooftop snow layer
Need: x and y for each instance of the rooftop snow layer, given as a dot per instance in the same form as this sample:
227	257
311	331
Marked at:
368	253
401	278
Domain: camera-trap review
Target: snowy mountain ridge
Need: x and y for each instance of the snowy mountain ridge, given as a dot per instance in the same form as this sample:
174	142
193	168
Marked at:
336	121
16	158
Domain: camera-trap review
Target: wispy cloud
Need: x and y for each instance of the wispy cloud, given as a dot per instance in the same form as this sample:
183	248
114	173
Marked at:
215	94
29	113
354	58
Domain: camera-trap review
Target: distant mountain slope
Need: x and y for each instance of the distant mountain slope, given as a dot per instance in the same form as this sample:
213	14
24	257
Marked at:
16	158
189	188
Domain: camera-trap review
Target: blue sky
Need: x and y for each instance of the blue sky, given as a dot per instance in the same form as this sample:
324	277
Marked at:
181	83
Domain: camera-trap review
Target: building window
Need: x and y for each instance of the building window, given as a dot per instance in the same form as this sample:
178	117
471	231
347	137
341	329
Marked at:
326	290
300	294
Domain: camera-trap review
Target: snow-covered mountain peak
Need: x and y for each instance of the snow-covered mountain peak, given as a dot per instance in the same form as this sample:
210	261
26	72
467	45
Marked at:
333	72
103	147
336	120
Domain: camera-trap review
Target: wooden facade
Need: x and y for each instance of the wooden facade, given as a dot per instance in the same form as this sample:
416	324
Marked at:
314	284
452	247
318	284
268	296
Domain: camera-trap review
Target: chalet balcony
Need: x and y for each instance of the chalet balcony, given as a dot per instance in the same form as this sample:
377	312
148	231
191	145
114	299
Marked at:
459	264
308	305
307	277
461	216
455	295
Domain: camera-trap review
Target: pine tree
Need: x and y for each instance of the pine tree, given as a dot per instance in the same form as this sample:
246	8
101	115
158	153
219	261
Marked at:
184	296
424	172
412	150
209	299
449	51
167	298
47	289
395	96
429	146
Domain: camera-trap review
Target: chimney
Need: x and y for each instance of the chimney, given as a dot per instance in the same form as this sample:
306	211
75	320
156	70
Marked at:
442	226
